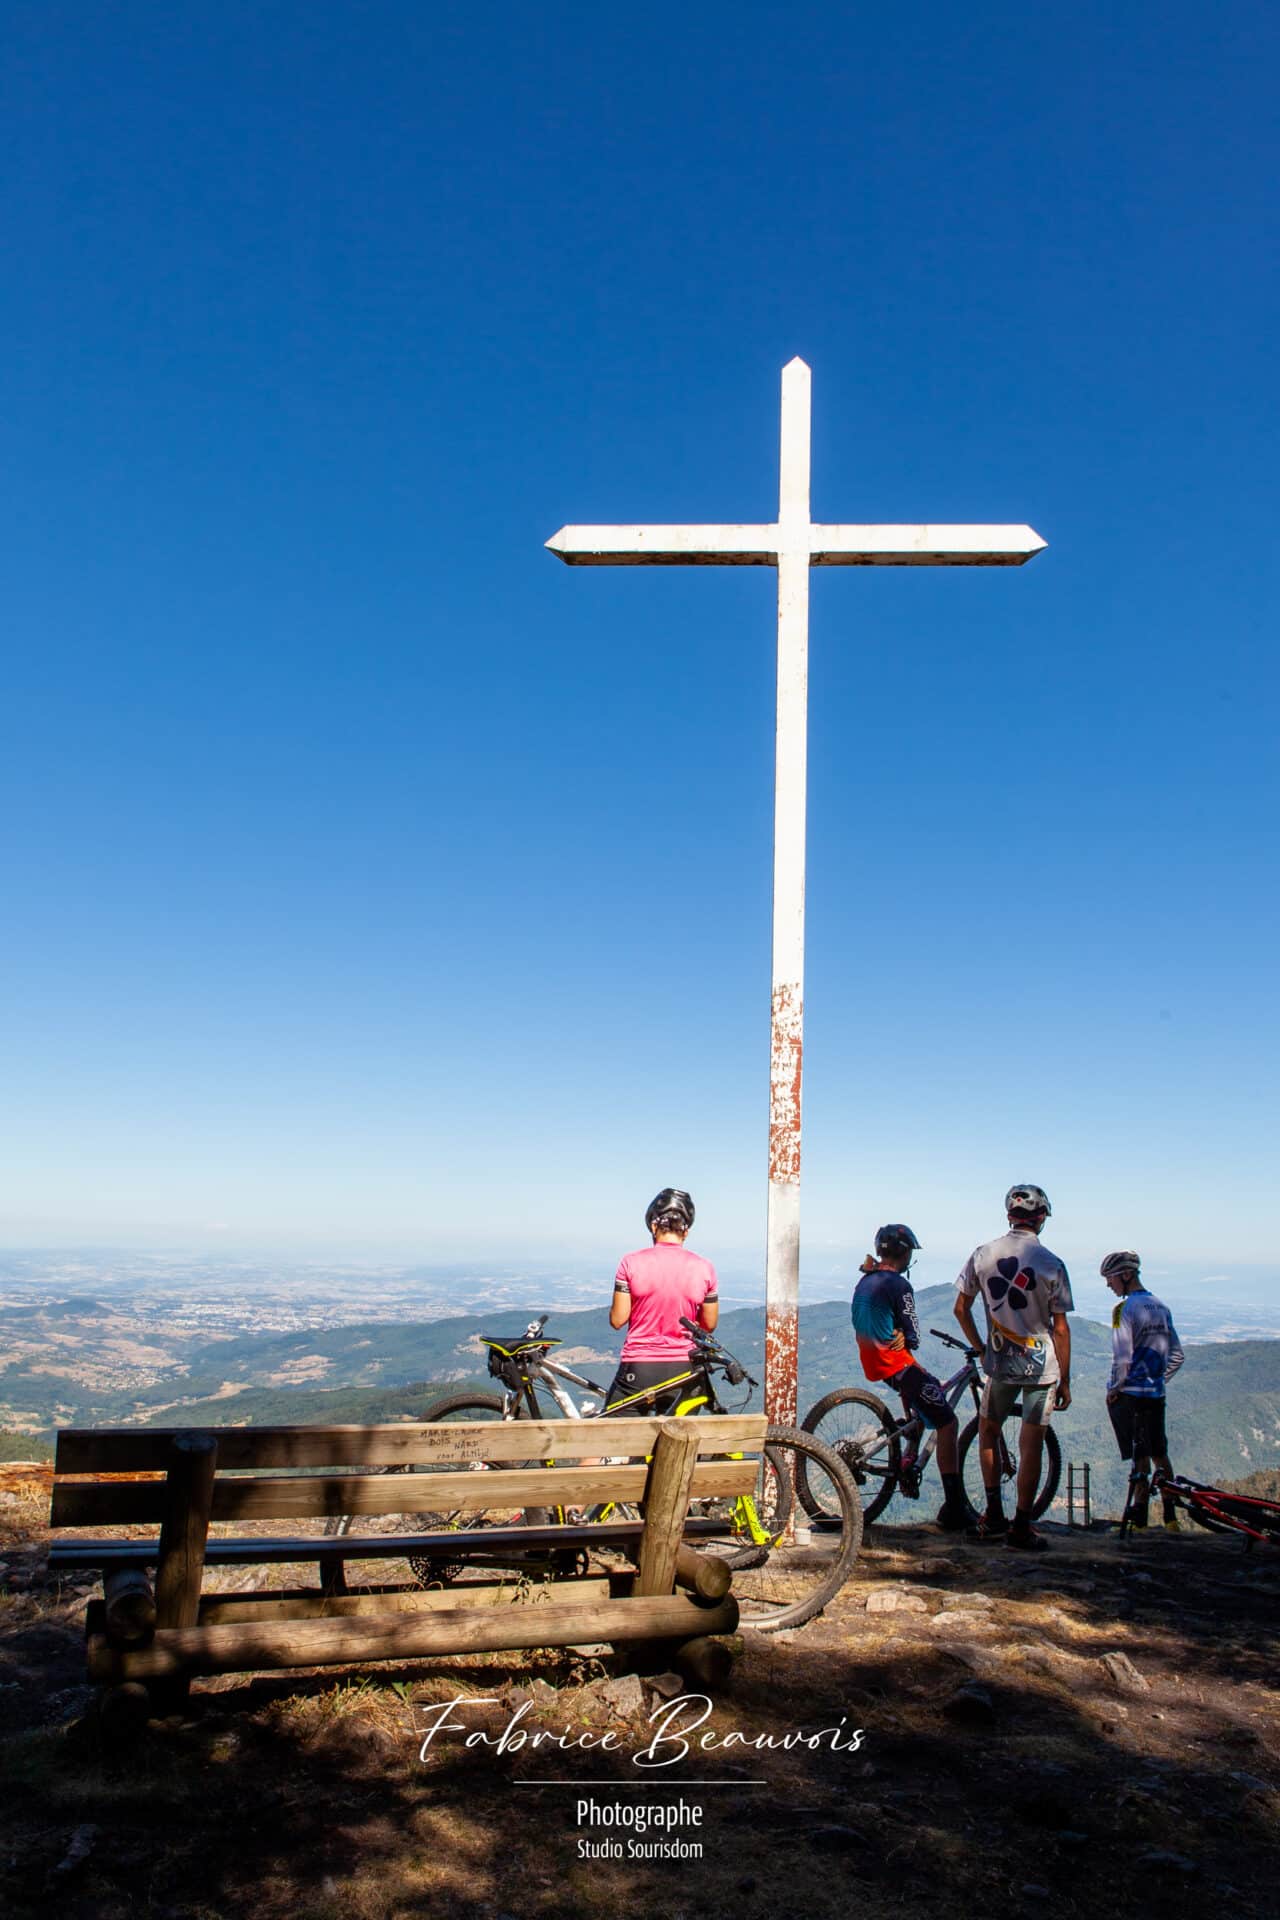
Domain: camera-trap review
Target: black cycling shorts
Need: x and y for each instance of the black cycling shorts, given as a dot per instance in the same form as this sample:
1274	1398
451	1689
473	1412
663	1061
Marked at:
648	1379
1139	1423
923	1397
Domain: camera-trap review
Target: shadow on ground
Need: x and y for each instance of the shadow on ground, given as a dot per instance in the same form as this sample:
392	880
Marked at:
1003	1765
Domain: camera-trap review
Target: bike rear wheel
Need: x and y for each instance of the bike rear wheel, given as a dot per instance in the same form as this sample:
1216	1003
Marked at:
971	1469
437	1570
861	1430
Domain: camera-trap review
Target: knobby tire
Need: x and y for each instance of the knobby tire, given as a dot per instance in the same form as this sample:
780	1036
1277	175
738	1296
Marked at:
849	1420
1050	1468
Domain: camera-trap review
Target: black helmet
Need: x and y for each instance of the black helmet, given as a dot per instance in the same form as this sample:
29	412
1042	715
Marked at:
895	1238
671	1209
1126	1261
1027	1199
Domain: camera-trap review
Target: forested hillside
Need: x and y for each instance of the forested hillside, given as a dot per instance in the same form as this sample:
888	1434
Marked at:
1224	1407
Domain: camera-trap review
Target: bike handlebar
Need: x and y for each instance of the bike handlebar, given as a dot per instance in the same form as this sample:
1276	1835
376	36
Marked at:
712	1350
949	1340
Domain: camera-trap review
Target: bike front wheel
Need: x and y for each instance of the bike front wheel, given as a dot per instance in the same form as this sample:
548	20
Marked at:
791	1573
862	1432
753	1521
971	1480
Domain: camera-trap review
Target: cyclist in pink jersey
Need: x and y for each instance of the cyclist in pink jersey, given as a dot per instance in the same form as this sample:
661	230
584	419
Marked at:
652	1291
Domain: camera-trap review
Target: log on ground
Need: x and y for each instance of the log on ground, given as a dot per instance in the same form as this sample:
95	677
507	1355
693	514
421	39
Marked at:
703	1662
271	1646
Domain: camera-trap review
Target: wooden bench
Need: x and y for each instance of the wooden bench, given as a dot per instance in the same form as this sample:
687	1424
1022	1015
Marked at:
161	1634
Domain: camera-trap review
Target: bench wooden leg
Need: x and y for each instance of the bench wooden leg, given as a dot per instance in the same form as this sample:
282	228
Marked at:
333	1577
666	1502
703	1573
123	1712
664	1560
130	1606
183	1535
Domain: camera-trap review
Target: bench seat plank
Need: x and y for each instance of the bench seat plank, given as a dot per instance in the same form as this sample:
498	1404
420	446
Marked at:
66	1555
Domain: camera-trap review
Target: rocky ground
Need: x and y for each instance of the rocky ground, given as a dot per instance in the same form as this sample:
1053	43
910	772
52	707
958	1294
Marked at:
1096	1729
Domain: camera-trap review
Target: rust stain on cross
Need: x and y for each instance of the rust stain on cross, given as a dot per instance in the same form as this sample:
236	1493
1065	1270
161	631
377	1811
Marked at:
785	1068
781	1353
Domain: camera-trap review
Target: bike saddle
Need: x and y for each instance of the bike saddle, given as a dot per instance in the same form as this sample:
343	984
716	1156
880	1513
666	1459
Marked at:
511	1344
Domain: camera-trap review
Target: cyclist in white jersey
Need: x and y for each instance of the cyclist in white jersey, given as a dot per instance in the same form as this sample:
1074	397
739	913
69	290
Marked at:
1027	1295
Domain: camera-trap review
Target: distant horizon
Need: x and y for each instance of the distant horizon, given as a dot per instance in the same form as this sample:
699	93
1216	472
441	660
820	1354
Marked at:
1241	1289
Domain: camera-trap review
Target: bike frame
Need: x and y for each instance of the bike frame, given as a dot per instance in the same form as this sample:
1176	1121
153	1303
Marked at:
953	1392
550	1373
1218	1512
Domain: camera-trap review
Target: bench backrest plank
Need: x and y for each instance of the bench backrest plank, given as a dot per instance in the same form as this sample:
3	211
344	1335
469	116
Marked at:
85	1450
106	1503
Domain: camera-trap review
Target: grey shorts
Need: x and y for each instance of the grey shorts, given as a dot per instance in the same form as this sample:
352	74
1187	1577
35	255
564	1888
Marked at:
999	1397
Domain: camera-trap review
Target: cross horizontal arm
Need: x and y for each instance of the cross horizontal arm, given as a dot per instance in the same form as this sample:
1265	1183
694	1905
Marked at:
836	546
928	546
666	546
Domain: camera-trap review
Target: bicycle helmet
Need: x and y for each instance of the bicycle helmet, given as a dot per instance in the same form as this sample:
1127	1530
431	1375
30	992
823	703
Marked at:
1027	1199
1117	1263
670	1211
895	1238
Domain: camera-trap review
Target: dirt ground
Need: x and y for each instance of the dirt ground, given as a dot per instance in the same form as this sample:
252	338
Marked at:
1006	1765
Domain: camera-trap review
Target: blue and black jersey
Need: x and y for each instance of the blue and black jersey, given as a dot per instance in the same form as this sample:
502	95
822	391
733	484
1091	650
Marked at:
884	1303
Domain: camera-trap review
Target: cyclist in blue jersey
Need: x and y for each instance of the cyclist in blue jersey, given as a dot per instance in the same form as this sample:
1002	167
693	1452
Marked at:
888	1333
1145	1353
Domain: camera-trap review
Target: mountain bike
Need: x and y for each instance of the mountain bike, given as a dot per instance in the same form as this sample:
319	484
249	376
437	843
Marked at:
784	1572
883	1451
1249	1515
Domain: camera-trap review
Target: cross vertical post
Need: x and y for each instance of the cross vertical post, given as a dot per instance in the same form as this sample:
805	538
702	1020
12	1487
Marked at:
793	544
786	1033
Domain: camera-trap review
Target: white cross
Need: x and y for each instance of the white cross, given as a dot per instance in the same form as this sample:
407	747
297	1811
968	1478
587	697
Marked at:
793	543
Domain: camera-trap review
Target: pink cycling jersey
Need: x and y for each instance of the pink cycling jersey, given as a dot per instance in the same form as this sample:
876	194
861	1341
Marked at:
664	1282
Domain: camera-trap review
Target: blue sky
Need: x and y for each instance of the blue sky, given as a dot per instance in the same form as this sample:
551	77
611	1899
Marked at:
373	879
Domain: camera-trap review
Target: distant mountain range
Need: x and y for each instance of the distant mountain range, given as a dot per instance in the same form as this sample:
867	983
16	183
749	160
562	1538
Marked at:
81	1361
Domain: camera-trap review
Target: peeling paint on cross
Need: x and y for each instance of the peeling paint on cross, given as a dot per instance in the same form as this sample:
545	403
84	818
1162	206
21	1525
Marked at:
793	543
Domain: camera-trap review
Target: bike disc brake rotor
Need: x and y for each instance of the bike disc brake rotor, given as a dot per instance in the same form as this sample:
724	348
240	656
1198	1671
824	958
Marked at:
435	1573
850	1451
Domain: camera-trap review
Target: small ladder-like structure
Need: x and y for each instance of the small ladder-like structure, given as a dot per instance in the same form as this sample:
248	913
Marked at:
1078	1492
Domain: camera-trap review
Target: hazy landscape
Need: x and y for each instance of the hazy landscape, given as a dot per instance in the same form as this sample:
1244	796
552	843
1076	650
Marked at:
132	1339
